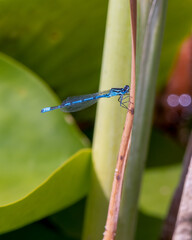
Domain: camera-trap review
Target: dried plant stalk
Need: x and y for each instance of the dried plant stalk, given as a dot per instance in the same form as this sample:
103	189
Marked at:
183	228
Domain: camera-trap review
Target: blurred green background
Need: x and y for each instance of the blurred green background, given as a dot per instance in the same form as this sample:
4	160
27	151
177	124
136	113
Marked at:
59	45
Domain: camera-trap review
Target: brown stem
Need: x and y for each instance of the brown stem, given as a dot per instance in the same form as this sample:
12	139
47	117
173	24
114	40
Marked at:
171	218
183	229
114	204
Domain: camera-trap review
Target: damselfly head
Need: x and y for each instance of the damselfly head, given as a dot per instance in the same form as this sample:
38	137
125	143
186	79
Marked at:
126	88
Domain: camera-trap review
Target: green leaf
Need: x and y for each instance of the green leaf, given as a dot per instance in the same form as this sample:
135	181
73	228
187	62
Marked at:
157	189
70	220
39	172
37	231
143	229
61	41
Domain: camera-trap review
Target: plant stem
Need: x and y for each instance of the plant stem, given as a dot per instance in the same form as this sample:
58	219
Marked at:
148	56
183	228
114	205
110	118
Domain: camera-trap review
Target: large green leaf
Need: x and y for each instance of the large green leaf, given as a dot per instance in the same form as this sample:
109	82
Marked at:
35	180
66	224
61	40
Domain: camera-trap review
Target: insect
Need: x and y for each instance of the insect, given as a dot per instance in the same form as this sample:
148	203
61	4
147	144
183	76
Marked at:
77	103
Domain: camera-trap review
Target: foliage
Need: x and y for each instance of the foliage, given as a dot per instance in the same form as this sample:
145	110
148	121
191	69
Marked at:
45	166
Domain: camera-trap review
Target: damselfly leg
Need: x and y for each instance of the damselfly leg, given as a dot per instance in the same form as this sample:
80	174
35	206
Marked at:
122	98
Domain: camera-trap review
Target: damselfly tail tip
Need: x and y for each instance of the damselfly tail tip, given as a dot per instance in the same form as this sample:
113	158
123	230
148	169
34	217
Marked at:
47	109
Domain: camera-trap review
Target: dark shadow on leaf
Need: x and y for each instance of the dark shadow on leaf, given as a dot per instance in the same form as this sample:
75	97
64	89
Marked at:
64	225
163	151
148	227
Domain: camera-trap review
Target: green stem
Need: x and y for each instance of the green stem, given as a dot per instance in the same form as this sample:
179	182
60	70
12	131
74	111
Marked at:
110	118
149	44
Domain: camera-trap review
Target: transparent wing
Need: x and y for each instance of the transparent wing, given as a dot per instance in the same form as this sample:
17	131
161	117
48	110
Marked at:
77	103
74	104
104	93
